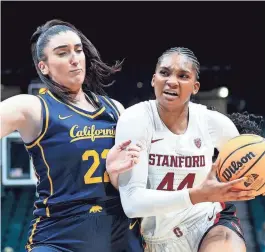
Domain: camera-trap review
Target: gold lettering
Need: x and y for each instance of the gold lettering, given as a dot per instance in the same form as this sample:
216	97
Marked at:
79	133
72	134
97	132
93	133
108	132
85	131
90	132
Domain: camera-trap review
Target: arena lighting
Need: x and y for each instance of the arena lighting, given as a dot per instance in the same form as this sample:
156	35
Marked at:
223	92
140	84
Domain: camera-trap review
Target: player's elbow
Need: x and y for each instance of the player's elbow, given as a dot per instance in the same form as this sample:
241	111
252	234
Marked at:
129	211
131	205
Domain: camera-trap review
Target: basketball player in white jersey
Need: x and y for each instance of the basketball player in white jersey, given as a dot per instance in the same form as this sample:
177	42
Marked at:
173	187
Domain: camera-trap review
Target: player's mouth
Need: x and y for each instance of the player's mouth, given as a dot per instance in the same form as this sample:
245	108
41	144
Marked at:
173	93
170	94
77	71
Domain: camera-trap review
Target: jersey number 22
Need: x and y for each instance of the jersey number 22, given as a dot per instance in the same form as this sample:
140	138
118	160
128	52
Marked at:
89	179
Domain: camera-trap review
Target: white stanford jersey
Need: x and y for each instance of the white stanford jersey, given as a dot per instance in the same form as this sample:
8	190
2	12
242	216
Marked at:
157	187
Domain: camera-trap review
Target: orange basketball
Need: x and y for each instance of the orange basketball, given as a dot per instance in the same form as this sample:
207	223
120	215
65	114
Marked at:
244	156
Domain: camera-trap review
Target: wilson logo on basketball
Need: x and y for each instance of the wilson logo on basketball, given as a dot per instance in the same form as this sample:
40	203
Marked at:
236	165
250	179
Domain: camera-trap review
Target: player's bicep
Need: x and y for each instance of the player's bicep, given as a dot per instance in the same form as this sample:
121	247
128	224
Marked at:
15	111
11	115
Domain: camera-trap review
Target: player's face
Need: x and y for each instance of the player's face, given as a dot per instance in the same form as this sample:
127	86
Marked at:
66	62
175	81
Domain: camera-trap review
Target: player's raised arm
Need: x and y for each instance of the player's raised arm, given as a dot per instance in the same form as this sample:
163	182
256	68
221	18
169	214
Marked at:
19	113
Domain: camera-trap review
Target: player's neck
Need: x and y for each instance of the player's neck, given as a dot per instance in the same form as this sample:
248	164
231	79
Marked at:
82	102
176	120
79	95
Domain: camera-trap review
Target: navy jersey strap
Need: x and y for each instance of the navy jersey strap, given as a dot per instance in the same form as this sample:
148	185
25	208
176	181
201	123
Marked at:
109	103
45	122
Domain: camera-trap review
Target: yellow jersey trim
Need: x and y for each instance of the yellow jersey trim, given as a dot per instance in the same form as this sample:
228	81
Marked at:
75	110
28	246
118	114
46	126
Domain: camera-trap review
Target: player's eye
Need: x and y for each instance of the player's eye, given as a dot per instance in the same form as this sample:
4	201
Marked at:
184	76
79	50
164	72
61	54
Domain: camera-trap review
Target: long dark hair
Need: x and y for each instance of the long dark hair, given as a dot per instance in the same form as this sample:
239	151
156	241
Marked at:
96	70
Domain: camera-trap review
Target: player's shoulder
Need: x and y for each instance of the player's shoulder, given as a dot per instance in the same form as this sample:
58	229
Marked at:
207	111
218	120
199	111
119	106
139	111
215	115
109	100
23	101
210	117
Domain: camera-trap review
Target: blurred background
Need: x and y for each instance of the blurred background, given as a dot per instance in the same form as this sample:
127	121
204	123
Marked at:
228	38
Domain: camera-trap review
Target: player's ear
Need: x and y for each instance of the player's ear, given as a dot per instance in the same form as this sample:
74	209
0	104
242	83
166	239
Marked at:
196	88
43	68
153	81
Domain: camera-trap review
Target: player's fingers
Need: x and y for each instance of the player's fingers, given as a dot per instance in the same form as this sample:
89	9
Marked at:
134	147
243	195
136	160
126	166
139	144
235	182
243	198
133	154
123	145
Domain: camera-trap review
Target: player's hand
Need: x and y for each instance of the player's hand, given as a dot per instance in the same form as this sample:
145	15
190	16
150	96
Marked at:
211	190
121	158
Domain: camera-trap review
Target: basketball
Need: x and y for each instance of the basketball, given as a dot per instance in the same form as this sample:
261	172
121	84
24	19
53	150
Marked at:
244	156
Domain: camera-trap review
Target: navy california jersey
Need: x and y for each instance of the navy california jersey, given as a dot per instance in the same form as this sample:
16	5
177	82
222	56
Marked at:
69	158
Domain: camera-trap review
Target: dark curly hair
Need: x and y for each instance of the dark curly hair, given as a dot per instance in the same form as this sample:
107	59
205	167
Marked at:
246	123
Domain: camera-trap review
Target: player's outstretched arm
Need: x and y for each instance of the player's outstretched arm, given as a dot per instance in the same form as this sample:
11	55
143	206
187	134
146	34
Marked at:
15	112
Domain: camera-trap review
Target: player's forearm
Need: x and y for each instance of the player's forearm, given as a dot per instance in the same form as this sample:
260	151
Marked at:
114	179
141	202
196	195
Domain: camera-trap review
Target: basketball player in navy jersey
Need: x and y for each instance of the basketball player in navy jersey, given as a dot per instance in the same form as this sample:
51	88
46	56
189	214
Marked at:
68	130
173	188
